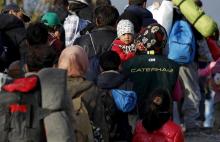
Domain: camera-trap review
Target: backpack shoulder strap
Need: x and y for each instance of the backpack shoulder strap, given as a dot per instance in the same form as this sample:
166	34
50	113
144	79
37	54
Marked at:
93	45
58	125
53	81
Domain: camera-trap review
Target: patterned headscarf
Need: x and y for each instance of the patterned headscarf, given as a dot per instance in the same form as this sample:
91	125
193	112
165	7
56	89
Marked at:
153	37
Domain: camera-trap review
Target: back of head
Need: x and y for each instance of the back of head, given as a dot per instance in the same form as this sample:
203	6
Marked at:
102	2
39	54
106	15
81	8
158	110
110	60
75	60
137	2
41	57
60	8
61	2
37	33
152	38
76	5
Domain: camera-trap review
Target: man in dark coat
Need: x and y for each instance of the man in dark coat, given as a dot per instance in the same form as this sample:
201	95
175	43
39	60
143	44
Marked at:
101	37
138	7
13	34
99	40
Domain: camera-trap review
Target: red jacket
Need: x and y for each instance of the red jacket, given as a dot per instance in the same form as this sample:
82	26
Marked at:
124	51
170	132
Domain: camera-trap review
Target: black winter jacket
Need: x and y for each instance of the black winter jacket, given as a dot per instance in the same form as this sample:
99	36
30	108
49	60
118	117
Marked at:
148	72
102	38
13	34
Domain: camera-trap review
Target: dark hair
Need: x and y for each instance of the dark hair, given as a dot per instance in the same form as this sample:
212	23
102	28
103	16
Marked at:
54	28
106	15
61	2
76	6
134	18
103	2
60	8
37	33
157	110
81	9
39	54
136	2
40	57
109	60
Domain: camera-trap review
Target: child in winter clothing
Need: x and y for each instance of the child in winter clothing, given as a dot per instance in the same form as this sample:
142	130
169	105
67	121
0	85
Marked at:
156	125
123	45
113	81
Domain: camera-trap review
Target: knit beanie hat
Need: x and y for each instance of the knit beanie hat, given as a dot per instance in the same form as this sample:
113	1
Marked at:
124	27
153	37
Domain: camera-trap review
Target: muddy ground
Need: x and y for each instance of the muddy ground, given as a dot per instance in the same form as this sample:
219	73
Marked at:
203	136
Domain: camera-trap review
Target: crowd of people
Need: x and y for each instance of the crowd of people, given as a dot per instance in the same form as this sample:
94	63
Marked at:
117	64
